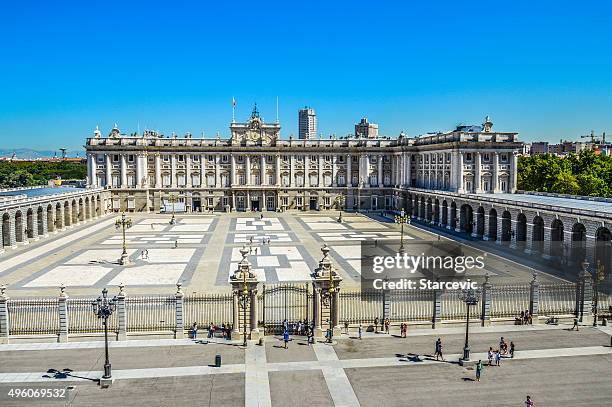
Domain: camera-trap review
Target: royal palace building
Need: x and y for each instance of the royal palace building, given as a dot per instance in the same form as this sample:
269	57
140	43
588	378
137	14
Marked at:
254	169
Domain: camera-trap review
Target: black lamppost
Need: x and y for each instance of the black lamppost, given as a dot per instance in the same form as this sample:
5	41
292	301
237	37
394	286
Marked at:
598	275
244	303
172	198
470	298
402	219
104	308
123	223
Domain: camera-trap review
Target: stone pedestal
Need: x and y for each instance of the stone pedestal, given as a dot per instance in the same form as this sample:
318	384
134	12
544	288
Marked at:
63	315
4	316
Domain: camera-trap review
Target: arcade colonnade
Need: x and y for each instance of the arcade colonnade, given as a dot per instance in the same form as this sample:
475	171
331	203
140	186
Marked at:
30	219
561	234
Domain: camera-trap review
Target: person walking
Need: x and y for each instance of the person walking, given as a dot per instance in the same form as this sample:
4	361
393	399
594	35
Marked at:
346	327
511	350
575	324
286	337
360	331
497	358
194	331
479	368
387	323
438	352
490	356
210	330
529	402
376	320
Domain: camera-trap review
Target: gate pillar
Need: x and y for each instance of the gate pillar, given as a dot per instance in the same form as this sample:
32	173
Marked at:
244	289
326	284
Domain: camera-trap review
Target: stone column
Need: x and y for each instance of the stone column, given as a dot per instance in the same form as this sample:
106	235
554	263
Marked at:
44	219
485	314
179	332
320	174
477	176
138	171
529	238
495	172
316	310
534	298
109	173
233	169
277	180
247	170
334	170
460	186
91	170
5	324
584	295
121	314
367	170
306	172
513	172
173	180
408	181
262	171
449	217
158	176
292	170
235	316
188	170
380	171
217	171
349	175
62	306
123	171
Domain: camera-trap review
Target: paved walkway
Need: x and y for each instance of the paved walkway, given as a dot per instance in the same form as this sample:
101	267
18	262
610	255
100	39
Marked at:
256	369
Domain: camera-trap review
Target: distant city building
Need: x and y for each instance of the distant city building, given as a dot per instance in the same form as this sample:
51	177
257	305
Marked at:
307	124
526	149
366	129
567	147
539	147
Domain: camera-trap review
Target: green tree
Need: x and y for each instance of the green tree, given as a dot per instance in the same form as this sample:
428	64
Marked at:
566	183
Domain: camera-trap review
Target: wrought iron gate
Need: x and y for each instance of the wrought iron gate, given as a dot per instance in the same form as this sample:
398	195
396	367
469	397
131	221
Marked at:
279	302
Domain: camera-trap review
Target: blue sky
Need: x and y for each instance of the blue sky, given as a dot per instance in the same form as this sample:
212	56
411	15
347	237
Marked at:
541	68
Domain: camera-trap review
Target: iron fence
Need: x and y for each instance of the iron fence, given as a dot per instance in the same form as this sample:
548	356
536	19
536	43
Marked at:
414	305
557	299
358	307
151	313
81	318
508	301
35	316
204	309
452	306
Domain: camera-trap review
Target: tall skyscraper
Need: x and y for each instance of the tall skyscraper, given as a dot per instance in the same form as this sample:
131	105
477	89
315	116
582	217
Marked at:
307	124
366	129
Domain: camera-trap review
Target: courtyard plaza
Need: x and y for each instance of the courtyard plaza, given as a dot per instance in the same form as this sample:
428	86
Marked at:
556	365
201	251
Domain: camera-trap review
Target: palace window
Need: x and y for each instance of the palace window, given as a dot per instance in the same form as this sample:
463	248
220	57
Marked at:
181	180
115	158
166	180
271	180
487	157
341	180
195	180
504	157
224	158
131	180
196	157
314	180
165	158
299	180
327	180
468	157
285	201
340	159
181	158
241	179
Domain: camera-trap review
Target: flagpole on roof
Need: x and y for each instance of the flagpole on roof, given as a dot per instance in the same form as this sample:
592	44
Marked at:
233	110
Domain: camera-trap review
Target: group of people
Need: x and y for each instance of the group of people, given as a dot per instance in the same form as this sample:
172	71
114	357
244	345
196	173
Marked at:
302	328
385	324
225	329
524	318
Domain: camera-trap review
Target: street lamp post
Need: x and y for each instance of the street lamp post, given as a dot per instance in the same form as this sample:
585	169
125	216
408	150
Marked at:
244	303
123	223
172	198
402	219
340	203
103	308
598	275
470	298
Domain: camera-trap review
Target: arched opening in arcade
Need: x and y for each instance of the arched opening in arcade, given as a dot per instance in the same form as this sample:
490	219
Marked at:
578	243
506	227
556	240
98	205
466	220
492	225
480	222
521	231
538	234
444	213
603	250
436	217
81	213
429	213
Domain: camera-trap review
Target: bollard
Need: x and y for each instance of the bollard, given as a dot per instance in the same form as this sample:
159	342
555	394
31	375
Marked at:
218	361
